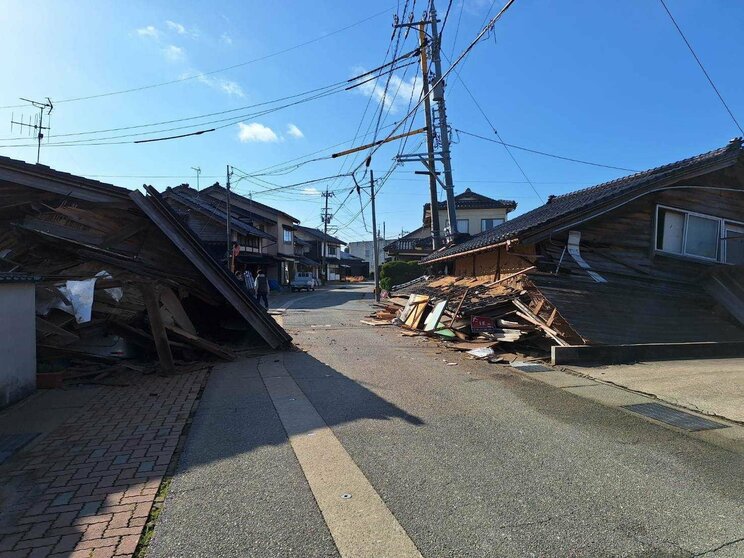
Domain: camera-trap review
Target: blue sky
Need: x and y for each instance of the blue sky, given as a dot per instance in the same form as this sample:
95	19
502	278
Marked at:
604	81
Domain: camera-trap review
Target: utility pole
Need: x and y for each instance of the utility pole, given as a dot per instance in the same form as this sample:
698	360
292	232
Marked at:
324	244
37	126
375	235
198	172
227	220
441	114
436	239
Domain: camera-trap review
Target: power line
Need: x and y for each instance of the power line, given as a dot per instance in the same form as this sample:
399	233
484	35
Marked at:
463	54
318	93
697	59
219	70
544	153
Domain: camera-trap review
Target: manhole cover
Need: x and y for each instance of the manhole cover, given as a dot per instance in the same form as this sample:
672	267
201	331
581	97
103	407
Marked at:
11	443
680	419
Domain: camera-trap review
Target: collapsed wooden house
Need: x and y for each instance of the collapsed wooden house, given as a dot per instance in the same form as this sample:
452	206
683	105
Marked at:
656	257
110	264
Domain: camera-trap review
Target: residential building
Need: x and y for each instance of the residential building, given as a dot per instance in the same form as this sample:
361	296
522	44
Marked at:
656	256
278	224
323	244
365	250
208	221
476	213
351	266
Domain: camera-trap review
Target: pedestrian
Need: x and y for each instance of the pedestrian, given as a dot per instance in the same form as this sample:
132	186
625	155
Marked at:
262	288
250	283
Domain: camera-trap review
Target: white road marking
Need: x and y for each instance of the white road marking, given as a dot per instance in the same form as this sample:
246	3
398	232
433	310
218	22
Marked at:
359	521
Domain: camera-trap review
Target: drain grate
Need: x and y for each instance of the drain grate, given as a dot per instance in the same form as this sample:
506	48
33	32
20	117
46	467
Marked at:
680	419
11	443
530	367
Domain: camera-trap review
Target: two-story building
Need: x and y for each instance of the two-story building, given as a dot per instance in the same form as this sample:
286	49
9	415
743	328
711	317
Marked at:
476	213
322	244
281	226
208	222
365	250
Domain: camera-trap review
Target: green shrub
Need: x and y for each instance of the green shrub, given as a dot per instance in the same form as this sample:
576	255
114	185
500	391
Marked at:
397	273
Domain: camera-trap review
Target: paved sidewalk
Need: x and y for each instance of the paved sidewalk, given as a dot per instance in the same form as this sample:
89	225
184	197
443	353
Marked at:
86	488
713	387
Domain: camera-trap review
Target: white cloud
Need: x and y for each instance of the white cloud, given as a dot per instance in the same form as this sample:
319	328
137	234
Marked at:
226	38
149	31
227	86
399	91
174	53
175	26
294	131
310	191
255	132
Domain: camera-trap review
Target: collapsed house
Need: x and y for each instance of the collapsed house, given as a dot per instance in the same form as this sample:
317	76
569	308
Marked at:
654	258
116	273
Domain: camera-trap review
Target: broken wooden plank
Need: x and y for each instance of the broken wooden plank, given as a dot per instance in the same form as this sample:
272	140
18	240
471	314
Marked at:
47	327
373	322
158	330
202	343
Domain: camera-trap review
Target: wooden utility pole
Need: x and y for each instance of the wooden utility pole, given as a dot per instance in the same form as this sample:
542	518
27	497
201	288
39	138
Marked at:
227	222
436	239
374	235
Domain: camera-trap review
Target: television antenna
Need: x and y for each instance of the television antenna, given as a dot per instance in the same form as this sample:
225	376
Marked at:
37	125
198	172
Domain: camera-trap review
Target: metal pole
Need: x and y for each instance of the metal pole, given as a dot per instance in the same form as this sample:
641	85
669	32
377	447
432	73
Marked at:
436	240
227	221
323	243
443	128
40	135
374	235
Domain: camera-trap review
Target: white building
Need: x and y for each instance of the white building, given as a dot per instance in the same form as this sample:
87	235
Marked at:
365	249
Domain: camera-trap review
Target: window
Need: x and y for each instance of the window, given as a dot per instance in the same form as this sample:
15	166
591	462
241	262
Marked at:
288	236
366	252
488	224
463	225
733	244
692	234
332	250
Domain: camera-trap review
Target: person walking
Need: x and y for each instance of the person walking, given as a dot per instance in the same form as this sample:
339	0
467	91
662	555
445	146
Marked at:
250	283
262	288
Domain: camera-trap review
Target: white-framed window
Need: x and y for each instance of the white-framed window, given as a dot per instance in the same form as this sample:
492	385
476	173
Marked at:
463	225
288	237
697	235
488	224
332	250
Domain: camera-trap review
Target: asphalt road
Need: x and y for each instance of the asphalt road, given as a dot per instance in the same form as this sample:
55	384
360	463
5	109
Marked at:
472	460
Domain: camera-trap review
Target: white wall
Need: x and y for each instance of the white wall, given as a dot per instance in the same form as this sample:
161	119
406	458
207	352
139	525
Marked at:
17	341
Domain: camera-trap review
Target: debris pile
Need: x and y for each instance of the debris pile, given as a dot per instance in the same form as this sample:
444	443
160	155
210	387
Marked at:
119	280
478	315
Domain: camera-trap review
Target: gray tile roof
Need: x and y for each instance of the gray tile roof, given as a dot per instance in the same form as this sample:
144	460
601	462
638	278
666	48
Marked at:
559	207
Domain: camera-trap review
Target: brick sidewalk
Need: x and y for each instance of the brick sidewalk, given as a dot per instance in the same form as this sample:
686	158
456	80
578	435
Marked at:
86	489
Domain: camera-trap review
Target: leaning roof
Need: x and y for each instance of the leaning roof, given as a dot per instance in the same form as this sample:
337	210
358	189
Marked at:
567	205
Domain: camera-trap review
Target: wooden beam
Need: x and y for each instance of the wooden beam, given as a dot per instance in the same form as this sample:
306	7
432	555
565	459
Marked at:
157	328
202	344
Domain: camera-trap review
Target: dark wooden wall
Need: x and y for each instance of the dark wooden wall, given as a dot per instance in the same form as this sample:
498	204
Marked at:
623	240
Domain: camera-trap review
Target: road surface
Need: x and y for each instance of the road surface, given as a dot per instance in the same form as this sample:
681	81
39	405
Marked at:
366	443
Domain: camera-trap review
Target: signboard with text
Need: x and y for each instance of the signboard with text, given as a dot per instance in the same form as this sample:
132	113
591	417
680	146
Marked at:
481	324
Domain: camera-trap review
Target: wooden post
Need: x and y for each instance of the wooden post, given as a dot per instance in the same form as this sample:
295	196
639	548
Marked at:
157	328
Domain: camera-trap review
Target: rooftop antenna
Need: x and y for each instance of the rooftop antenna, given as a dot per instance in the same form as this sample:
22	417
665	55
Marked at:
38	122
198	172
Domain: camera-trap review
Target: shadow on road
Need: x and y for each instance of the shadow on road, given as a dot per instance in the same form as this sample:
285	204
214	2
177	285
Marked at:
236	415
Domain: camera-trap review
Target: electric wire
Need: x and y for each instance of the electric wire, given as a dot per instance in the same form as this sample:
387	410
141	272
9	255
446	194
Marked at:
699	62
219	70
